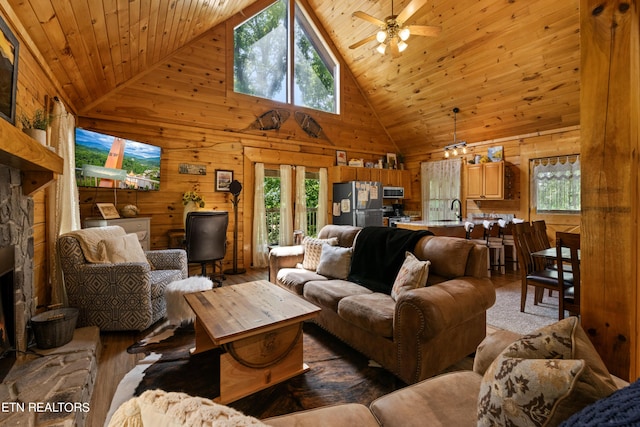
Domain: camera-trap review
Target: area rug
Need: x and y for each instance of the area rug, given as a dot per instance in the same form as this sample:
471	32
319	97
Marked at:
338	374
505	313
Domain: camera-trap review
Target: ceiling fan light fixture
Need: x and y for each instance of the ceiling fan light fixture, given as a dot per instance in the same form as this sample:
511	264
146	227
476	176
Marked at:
404	33
382	48
446	153
381	36
402	46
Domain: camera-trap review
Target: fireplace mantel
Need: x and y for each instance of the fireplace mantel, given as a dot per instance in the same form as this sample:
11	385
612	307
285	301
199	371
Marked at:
37	163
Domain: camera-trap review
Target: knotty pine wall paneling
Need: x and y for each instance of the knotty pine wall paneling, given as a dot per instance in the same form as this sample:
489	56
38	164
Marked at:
35	89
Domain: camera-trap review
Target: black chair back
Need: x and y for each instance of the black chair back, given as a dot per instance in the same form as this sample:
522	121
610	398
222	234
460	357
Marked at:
206	237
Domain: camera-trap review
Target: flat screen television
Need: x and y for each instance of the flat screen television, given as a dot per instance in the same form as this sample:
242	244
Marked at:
112	162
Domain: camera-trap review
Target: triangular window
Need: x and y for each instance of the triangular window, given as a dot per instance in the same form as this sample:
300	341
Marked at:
304	72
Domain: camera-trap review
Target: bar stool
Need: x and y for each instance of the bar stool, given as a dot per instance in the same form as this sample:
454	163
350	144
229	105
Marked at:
495	244
506	231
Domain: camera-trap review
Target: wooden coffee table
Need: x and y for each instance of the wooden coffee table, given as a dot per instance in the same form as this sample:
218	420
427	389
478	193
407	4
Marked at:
259	325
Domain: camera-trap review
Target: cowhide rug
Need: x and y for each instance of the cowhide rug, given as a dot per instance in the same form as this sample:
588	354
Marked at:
338	374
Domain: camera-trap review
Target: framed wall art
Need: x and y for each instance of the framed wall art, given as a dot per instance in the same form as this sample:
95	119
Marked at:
8	72
392	161
108	210
341	158
223	179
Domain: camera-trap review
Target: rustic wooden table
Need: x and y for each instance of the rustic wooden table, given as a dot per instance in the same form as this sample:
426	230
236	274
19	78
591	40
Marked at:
259	325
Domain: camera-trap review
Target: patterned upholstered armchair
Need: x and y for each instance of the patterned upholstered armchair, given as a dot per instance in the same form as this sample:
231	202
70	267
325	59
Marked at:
117	295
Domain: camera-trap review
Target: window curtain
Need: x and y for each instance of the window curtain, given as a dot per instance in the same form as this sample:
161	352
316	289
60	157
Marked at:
286	216
323	198
260	240
63	206
556	184
440	185
300	221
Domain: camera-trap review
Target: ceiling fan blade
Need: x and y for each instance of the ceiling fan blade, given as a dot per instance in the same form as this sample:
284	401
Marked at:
363	41
367	17
411	8
424	30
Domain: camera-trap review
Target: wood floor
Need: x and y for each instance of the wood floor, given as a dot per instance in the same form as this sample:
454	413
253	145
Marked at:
115	362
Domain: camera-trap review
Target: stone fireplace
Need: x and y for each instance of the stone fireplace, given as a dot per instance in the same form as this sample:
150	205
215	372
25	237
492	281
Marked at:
16	232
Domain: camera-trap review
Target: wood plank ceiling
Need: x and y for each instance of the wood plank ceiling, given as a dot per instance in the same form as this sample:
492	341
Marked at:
511	66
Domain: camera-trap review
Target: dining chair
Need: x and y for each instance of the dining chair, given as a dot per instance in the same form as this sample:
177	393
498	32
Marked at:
540	233
569	298
533	271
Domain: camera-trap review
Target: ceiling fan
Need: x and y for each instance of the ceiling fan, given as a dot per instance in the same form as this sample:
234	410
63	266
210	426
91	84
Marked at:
393	32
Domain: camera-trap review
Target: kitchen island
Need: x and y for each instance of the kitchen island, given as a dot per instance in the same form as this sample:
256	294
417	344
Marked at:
439	228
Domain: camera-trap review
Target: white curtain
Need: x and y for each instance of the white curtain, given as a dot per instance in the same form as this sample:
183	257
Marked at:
63	210
260	239
286	216
323	198
300	221
440	186
556	184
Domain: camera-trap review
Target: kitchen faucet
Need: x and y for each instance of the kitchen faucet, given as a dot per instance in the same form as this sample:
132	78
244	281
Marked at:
459	214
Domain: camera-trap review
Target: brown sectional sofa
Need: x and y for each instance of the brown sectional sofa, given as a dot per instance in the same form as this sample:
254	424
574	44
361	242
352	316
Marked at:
416	336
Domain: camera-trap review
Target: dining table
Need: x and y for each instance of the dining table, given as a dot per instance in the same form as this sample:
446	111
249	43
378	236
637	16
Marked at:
551	254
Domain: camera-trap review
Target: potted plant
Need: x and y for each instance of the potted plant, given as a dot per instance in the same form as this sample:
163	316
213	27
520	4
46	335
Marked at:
36	125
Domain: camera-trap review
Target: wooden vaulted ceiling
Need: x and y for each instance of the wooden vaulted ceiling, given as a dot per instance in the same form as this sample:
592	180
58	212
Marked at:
510	66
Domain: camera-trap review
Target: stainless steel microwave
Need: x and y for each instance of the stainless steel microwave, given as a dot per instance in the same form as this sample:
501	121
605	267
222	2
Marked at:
393	192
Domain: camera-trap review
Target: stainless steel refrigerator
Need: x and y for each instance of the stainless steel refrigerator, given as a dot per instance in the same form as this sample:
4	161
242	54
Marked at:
357	203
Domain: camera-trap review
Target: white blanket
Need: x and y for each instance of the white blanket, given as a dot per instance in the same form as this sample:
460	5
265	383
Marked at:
90	237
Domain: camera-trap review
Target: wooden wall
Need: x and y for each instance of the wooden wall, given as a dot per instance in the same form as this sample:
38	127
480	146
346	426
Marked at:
35	90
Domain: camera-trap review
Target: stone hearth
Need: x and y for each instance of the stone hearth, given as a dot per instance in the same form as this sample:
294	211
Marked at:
44	387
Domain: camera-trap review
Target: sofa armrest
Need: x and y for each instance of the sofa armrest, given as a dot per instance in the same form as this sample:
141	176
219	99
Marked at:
284	257
169	259
427	312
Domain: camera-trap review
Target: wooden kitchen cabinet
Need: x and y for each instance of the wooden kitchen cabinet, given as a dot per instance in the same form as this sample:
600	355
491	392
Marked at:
388	177
485	181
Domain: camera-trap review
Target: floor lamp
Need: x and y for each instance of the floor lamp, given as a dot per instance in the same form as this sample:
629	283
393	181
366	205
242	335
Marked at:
235	188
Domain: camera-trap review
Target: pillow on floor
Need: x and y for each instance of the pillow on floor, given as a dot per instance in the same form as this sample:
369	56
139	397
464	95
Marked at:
413	274
543	378
120	249
335	261
313	250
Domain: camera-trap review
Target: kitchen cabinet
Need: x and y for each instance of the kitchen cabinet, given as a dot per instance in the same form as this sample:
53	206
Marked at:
388	177
485	181
139	225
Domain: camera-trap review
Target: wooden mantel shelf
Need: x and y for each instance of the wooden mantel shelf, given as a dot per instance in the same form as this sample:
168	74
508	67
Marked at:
37	163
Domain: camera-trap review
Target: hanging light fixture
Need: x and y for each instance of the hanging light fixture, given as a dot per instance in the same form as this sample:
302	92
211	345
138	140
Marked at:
458	146
393	34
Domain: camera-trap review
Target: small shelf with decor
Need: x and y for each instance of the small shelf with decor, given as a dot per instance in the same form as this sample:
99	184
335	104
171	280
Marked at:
37	163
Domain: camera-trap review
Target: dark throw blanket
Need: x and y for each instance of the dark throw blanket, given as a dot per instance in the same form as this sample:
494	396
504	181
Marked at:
378	255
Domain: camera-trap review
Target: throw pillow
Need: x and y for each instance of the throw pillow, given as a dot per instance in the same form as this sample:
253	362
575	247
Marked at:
335	261
543	378
160	408
120	249
413	274
313	250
